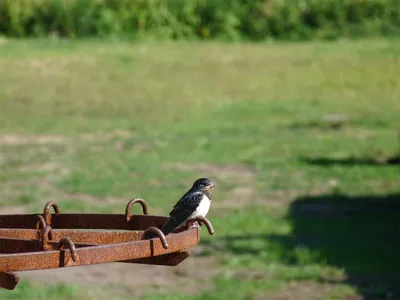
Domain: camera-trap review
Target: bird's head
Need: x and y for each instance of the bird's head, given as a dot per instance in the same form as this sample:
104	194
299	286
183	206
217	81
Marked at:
203	184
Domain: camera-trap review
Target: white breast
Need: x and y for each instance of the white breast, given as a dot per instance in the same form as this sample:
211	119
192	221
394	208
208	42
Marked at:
203	208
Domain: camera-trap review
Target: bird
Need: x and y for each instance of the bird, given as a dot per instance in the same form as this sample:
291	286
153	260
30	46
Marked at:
194	203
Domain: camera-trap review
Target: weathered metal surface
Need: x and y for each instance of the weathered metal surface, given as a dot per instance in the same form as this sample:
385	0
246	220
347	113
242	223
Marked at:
84	221
47	241
15	245
99	253
77	235
8	281
19	221
172	259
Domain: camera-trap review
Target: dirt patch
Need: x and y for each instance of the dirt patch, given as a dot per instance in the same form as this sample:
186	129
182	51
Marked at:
21	139
191	276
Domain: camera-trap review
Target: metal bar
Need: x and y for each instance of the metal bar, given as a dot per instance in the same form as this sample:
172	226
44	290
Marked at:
15	245
77	235
19	221
172	259
84	221
8	281
97	237
106	221
29	234
29	243
99	253
10	245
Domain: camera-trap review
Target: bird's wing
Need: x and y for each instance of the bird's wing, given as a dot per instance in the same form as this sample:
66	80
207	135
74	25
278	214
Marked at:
182	210
186	206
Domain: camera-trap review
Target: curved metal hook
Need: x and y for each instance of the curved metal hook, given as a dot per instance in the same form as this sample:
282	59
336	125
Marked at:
66	241
46	233
46	211
131	203
154	231
40	226
204	221
41	222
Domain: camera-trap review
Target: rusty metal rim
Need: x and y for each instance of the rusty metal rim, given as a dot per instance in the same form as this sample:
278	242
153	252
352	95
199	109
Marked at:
90	221
83	221
37	241
10	280
103	253
77	235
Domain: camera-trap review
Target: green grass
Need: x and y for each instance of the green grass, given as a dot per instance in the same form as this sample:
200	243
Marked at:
85	121
26	290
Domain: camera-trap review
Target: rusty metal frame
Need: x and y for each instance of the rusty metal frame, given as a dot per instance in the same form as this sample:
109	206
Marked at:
49	241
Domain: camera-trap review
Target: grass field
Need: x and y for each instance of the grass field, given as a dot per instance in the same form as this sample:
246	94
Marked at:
303	209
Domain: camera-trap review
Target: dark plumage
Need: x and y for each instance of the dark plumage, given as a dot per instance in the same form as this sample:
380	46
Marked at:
196	202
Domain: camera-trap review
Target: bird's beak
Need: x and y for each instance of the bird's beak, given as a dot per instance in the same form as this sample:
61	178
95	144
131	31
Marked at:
211	185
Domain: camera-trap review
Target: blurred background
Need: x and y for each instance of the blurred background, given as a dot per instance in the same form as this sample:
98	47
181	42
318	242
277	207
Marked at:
291	107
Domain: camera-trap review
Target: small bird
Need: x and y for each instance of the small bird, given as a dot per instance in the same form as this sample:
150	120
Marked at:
195	203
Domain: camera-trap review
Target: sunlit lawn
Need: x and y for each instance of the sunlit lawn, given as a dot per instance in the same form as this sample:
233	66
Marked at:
302	207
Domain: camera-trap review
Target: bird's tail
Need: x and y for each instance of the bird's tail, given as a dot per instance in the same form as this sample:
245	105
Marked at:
169	226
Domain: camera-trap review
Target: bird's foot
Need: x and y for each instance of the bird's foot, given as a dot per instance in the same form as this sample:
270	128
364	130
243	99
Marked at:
192	224
196	225
201	221
189	224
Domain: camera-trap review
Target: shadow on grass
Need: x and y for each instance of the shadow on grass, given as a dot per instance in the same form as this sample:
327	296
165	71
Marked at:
353	161
360	234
